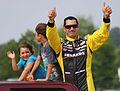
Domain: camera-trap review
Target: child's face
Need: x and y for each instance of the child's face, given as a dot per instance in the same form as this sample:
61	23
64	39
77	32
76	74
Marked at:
25	53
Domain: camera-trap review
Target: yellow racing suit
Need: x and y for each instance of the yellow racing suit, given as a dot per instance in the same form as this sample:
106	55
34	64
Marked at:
74	56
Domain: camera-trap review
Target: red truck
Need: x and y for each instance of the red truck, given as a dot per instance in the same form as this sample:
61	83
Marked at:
36	86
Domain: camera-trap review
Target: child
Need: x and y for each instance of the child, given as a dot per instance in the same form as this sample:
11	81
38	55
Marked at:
46	55
27	60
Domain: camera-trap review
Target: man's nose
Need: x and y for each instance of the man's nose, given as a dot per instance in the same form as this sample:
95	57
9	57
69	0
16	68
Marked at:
71	28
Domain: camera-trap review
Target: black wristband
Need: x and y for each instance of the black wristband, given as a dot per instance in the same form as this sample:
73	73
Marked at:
106	20
50	24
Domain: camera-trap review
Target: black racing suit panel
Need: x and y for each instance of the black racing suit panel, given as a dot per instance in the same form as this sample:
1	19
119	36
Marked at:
74	59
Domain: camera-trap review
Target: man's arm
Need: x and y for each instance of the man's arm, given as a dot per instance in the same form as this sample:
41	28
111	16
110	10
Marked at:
97	39
51	32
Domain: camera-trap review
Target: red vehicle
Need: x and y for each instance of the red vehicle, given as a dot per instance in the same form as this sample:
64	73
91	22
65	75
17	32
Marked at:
36	86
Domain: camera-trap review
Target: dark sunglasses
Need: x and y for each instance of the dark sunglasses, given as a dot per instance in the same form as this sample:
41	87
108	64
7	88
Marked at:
69	26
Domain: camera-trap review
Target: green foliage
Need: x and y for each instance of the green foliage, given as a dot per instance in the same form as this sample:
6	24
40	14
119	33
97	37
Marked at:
104	68
61	33
114	36
5	64
86	26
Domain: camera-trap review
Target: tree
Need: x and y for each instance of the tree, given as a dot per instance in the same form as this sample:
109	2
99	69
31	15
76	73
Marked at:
114	36
104	68
5	64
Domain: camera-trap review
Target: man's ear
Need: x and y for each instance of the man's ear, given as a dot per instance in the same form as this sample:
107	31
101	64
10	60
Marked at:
79	26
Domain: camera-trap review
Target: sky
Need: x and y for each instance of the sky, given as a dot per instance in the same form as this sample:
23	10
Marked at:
17	16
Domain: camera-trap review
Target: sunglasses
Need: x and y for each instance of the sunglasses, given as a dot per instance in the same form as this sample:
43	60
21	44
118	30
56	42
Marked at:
69	26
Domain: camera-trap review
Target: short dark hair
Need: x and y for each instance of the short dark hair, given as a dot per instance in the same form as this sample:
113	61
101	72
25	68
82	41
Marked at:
41	29
70	18
25	44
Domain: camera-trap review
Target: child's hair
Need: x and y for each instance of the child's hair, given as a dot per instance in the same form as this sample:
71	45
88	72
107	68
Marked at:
25	44
41	29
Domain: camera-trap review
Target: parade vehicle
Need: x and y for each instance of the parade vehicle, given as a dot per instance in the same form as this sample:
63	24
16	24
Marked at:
36	86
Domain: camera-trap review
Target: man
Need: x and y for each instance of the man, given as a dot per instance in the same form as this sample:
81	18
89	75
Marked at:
75	53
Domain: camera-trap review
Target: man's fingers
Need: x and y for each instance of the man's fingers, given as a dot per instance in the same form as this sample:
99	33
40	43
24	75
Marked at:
52	11
108	9
52	14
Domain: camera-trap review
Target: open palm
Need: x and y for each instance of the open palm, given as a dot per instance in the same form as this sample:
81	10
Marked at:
11	54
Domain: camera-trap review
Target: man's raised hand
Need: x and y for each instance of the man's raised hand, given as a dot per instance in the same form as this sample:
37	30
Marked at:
106	10
52	14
